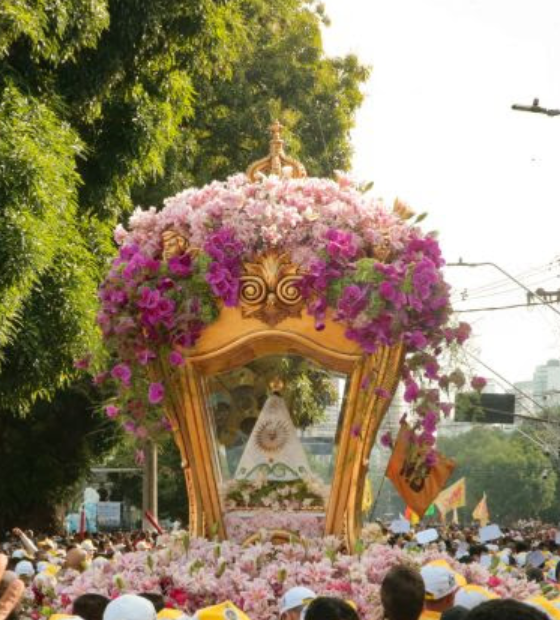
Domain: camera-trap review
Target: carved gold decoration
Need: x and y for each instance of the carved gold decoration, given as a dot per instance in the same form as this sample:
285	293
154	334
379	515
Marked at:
276	385
277	162
269	289
174	244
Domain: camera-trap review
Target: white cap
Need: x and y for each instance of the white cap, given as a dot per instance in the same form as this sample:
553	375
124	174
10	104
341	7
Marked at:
471	596
439	581
296	597
24	568
87	545
130	607
18	554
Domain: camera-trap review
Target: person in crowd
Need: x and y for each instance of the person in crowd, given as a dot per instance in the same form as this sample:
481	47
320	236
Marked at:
90	606
440	586
455	613
11	591
330	608
505	609
157	599
76	559
294	601
130	607
402	594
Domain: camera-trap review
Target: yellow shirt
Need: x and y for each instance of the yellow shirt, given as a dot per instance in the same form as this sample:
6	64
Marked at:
428	614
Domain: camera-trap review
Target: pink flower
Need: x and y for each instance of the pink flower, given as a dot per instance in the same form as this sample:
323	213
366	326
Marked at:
122	372
112	411
176	358
387	440
155	393
382	392
412	391
478	383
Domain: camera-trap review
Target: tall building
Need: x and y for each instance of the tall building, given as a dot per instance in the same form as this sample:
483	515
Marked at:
546	384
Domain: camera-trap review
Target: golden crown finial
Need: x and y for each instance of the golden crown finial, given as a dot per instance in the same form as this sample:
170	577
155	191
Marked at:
277	162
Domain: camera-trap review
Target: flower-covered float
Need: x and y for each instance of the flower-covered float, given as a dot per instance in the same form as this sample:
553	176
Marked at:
266	321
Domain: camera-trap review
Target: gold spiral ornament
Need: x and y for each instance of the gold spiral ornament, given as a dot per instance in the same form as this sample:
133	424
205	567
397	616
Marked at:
288	290
253	290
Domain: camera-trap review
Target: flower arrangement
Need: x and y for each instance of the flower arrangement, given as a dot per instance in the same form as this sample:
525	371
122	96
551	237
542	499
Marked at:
274	494
242	525
372	268
192	574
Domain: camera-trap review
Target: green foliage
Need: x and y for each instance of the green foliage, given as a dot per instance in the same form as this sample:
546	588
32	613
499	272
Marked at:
44	455
506	467
281	72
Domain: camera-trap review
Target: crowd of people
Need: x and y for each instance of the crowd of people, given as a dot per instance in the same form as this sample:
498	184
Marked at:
408	591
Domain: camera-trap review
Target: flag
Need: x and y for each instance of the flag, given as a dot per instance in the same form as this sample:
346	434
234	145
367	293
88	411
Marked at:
83	523
417	483
411	516
453	497
480	513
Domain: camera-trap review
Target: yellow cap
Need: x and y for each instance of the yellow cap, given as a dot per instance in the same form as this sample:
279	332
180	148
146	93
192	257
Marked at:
540	602
223	611
169	614
459	579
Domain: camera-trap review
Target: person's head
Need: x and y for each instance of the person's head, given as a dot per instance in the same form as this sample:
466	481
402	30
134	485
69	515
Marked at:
440	586
130	607
534	574
505	609
76	559
157	599
90	606
455	613
294	601
402	593
25	570
330	608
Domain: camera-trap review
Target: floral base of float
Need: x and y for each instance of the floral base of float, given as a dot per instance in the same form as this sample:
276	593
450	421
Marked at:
195	573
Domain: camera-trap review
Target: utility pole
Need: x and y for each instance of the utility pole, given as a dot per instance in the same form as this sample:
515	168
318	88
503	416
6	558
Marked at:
149	484
536	108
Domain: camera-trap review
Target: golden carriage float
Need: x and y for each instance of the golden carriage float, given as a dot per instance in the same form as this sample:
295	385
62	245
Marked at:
265	315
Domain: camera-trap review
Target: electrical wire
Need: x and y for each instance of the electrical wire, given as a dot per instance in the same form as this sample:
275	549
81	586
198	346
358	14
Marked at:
510	307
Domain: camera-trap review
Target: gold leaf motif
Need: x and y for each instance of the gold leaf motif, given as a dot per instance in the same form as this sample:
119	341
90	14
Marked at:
174	244
269	289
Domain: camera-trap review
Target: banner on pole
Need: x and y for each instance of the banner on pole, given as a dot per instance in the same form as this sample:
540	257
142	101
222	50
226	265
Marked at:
480	513
416	482
452	498
109	514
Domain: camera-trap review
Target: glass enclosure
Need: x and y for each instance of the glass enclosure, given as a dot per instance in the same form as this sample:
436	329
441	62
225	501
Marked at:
275	423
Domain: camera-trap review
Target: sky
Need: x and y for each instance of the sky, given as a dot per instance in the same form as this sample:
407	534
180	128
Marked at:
437	130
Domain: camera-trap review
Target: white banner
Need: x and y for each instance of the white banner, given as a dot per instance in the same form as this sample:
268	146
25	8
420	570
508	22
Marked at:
109	514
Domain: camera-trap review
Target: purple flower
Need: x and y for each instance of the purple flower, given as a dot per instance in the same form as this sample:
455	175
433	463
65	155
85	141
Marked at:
424	277
139	457
354	300
122	372
387	440
155	393
112	411
388	291
356	430
478	383
412	391
149	298
431	459
176	359
340	244
165	423
83	363
429	422
416	339
180	265
101	378
223	283
129	426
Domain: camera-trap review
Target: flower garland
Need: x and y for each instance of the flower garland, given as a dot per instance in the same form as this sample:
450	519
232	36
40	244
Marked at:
380	275
192	574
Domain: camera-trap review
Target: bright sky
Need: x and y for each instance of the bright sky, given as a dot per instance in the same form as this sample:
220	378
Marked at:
437	130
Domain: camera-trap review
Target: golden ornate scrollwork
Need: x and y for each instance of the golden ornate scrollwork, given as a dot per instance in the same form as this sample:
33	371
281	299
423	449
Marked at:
269	289
174	244
277	162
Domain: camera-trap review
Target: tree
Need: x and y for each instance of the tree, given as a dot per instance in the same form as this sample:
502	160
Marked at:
281	72
505	466
92	95
46	454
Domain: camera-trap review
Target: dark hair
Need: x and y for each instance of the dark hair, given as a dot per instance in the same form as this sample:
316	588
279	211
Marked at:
534	574
505	609
455	613
402	593
157	599
90	606
330	608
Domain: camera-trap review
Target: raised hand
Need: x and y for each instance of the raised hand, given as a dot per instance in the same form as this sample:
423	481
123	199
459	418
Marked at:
13	593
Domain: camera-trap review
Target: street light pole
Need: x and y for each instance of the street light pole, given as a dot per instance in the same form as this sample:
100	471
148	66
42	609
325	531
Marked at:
536	108
508	275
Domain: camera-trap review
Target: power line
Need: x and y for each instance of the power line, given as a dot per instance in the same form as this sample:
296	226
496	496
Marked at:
510	307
